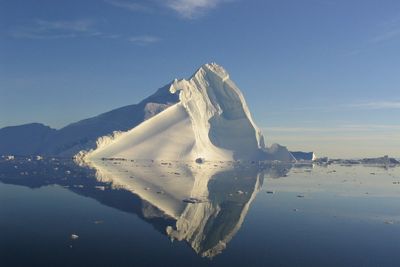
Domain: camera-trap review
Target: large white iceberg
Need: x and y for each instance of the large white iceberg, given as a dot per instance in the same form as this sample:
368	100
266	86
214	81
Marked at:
211	121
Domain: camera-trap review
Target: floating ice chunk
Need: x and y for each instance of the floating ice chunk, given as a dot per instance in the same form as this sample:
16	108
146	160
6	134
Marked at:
9	157
74	236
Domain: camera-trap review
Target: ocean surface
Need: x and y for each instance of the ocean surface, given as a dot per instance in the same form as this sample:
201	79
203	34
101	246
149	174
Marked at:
54	212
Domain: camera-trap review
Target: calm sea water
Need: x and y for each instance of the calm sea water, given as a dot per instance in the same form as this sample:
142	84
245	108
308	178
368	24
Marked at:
128	213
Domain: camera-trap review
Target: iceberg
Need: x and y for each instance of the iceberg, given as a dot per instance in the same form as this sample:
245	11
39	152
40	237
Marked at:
210	121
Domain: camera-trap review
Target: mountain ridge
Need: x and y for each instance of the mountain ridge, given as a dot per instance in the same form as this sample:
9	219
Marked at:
82	134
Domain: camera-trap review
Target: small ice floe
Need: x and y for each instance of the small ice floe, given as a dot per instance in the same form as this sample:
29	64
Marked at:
9	157
74	236
100	187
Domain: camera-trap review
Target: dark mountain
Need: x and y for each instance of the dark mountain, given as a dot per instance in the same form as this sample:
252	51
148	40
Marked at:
18	140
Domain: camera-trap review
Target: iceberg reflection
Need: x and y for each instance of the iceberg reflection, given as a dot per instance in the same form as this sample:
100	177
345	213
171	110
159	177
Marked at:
202	204
205	204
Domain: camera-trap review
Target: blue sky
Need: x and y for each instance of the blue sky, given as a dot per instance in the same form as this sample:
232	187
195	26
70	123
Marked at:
320	75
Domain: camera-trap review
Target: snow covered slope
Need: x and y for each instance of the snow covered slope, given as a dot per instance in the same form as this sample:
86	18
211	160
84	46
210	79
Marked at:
156	138
211	121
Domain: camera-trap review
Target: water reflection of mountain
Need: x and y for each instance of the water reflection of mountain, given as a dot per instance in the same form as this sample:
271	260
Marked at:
202	204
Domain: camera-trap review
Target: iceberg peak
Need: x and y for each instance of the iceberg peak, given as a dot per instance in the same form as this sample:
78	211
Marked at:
214	68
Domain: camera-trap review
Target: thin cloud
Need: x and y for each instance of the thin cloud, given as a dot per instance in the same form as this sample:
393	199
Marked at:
144	40
60	29
190	9
44	29
129	5
40	36
374	105
386	36
350	128
378	105
389	29
82	25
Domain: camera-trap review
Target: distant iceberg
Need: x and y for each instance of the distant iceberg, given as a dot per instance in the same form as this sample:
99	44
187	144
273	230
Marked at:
303	156
385	161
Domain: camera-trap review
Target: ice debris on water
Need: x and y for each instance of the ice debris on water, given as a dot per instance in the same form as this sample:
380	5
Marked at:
74	236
